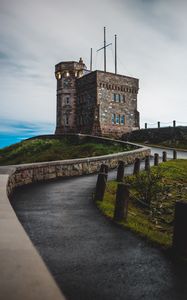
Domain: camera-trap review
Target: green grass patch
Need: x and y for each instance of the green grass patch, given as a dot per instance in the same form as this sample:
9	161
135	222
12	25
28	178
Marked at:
48	149
178	146
154	220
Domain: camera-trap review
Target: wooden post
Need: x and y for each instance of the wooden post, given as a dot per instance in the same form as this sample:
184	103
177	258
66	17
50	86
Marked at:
174	154
147	163
158	124
180	228
103	169
156	159
174	123
164	156
122	200
136	166
100	186
145	125
120	171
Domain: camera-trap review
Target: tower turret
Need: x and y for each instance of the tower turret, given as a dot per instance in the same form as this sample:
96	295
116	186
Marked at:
66	74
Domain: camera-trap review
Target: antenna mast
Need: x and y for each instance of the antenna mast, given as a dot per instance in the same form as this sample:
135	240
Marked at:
91	60
104	49
115	54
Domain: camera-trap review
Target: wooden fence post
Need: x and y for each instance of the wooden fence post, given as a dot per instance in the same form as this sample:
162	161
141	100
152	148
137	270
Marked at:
174	123
103	169
156	159
164	156
145	125
120	171
122	201
180	228
100	186
147	163
174	154
136	166
158	124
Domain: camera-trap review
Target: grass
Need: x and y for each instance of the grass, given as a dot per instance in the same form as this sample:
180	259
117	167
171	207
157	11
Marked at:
178	146
155	220
48	149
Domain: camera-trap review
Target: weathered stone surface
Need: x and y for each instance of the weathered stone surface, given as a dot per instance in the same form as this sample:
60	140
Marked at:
26	174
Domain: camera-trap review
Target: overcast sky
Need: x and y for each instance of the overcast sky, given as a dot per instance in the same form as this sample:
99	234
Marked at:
35	35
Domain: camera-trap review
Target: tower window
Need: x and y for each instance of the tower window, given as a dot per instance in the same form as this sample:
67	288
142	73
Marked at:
113	118
122	120
58	75
66	119
122	98
67	100
117	119
66	74
117	98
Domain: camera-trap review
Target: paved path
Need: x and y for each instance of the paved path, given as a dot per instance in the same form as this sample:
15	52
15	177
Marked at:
90	257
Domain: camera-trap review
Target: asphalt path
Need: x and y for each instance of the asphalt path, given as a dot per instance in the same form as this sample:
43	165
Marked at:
90	257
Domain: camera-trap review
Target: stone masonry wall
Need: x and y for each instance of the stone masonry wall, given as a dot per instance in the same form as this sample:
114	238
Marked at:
125	89
87	110
96	104
31	173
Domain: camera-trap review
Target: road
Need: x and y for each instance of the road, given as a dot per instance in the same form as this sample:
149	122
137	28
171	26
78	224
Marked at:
90	257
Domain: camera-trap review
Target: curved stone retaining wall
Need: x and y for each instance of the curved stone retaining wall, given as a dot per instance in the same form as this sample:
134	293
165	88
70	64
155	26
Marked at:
31	173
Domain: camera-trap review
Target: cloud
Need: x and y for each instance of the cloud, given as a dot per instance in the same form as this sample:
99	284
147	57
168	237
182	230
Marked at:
14	127
35	35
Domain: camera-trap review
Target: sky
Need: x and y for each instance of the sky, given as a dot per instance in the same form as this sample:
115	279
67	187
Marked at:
35	35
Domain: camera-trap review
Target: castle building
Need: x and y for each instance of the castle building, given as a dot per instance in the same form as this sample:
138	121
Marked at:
95	103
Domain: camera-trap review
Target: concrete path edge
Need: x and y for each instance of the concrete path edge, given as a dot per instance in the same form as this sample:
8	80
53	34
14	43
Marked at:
23	272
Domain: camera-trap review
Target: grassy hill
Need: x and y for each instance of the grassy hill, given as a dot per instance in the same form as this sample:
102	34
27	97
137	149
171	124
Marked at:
48	148
168	136
152	218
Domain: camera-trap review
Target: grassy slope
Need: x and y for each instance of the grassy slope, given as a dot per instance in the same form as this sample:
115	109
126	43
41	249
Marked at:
167	137
46	149
166	145
157	227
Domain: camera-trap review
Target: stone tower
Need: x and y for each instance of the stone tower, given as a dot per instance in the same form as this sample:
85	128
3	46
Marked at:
66	74
95	102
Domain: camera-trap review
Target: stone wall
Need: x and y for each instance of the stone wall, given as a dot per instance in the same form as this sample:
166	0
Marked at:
117	97
96	94
31	173
87	115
